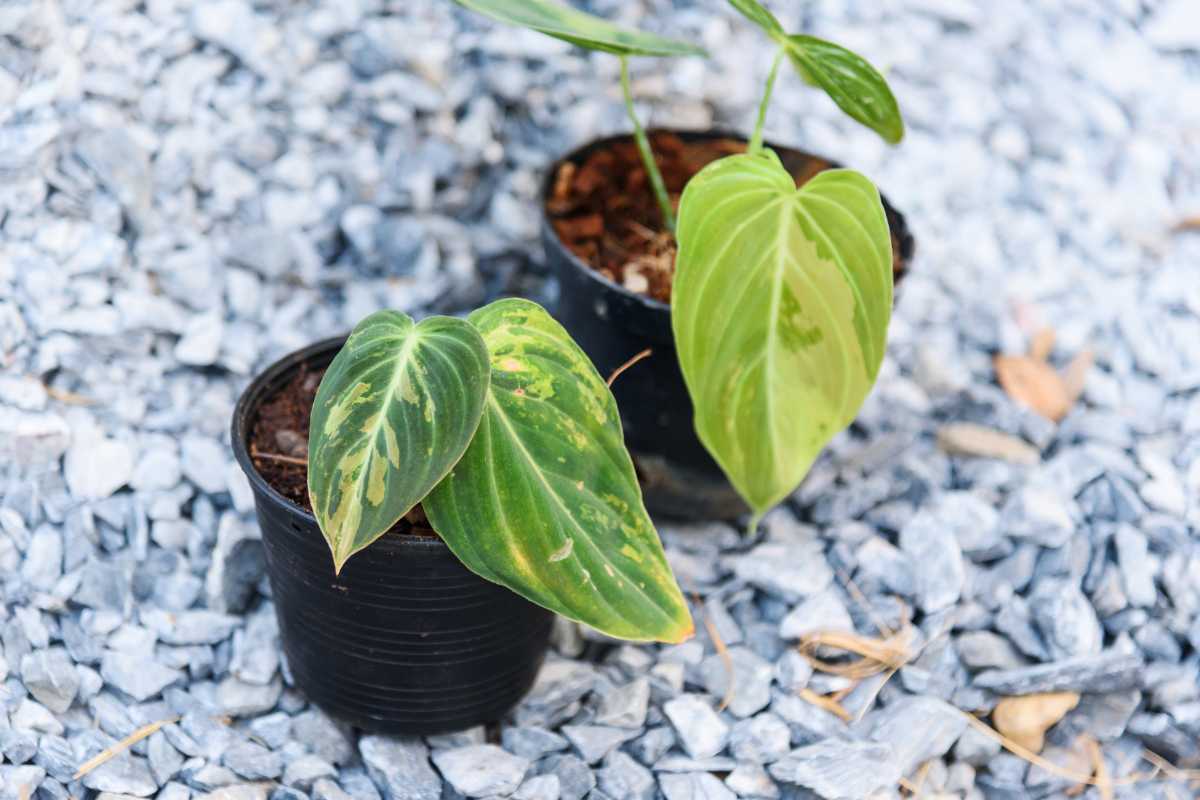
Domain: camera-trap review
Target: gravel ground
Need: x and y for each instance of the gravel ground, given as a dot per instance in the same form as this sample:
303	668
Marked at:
188	191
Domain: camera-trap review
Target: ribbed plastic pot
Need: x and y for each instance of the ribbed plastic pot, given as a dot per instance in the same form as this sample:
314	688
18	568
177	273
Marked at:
679	478
406	639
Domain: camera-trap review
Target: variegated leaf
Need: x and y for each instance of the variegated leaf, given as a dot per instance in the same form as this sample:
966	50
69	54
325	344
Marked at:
545	500
780	308
395	410
578	28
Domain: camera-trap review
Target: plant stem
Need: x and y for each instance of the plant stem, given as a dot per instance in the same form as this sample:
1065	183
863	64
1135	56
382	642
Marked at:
643	146
756	139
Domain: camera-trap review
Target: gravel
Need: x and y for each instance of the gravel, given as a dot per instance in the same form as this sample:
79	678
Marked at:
192	190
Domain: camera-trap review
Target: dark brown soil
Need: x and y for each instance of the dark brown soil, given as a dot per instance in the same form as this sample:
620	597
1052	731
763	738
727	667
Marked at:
604	210
279	446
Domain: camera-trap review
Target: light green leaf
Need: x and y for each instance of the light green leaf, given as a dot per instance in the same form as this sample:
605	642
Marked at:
578	28
850	81
759	15
395	410
780	308
545	500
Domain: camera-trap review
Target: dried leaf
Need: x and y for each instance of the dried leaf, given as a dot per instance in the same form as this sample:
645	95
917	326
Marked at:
1026	719
969	439
1035	384
1188	224
1042	345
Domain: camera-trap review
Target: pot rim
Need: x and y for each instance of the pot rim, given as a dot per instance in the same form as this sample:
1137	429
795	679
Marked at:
577	153
247	407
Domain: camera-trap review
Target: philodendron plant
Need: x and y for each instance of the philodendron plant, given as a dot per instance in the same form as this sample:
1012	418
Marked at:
782	295
501	428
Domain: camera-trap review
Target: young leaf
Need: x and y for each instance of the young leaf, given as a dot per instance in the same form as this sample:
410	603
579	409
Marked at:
848	79
578	28
396	409
760	16
545	500
780	309
851	82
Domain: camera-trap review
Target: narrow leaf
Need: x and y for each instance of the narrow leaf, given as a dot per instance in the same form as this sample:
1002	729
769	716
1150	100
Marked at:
578	28
780	309
850	81
545	500
396	409
760	16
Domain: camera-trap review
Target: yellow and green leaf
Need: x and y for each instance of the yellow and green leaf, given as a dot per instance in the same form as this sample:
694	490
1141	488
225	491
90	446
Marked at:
395	410
545	500
581	29
780	308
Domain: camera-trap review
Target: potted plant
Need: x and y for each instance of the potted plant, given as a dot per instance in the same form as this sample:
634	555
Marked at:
700	289
468	478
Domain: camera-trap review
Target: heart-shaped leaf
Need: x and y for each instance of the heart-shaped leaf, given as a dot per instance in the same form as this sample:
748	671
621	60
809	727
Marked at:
396	409
545	500
780	309
578	28
848	79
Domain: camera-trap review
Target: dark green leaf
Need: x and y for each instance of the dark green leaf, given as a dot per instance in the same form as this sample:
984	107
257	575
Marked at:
851	82
545	500
396	409
780	308
578	28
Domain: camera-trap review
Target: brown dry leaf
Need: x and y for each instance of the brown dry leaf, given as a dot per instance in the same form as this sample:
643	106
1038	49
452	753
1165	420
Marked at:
1042	345
1188	224
1026	719
969	439
1034	383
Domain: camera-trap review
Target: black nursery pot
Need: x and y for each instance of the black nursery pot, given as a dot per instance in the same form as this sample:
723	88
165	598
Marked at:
679	478
406	639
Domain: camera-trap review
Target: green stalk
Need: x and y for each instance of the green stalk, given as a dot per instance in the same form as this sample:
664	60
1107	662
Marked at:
756	139
643	146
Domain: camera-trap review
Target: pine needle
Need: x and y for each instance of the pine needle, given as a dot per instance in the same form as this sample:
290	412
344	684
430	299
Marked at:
726	659
1162	766
121	746
827	703
875	655
616	373
1099	767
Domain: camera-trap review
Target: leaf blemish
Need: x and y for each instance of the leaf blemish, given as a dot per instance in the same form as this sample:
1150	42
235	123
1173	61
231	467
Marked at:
562	552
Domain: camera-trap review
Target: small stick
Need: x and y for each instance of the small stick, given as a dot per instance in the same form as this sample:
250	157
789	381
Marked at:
301	462
616	373
121	746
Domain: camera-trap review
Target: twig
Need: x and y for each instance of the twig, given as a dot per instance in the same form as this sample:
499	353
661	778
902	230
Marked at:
302	462
70	398
616	373
121	746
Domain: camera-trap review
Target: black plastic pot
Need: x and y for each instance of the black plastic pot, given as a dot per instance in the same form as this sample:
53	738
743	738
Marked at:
406	639
679	477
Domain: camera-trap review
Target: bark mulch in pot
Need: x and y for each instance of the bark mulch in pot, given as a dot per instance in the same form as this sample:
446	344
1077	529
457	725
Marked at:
604	211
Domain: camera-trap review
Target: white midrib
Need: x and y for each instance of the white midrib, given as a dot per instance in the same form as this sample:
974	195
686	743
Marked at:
364	472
